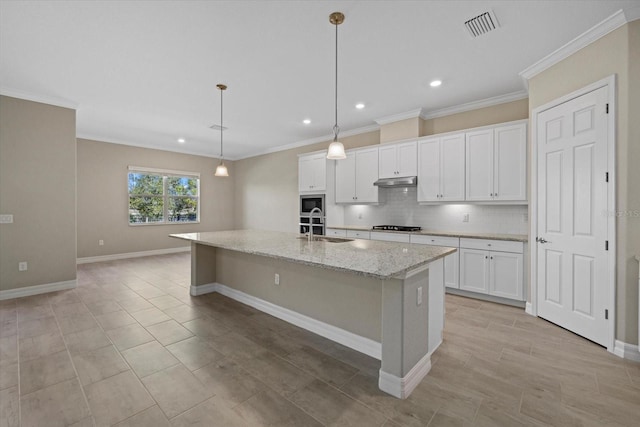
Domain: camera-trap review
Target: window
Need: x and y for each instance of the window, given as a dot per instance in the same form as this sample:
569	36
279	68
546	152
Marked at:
159	196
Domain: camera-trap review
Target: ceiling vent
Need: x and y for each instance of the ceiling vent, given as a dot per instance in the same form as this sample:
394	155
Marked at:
218	127
482	24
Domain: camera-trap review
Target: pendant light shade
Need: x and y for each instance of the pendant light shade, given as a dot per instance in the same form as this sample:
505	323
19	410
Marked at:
336	148
221	170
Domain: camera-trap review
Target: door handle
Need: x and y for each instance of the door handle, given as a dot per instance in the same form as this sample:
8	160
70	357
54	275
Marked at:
541	240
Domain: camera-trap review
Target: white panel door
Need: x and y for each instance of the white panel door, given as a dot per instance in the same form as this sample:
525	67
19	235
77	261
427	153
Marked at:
474	270
451	270
429	170
366	174
451	168
572	286
510	162
407	159
346	179
479	165
506	275
387	161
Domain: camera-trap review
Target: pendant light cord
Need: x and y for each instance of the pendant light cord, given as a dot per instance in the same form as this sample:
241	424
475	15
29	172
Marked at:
221	125
336	129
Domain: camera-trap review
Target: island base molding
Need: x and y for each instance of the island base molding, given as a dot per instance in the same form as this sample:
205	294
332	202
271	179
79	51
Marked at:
348	339
402	387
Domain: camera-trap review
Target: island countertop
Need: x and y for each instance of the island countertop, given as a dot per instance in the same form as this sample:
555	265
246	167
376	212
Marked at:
377	259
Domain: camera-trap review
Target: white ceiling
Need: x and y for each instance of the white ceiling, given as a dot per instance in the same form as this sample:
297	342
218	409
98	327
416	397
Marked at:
145	72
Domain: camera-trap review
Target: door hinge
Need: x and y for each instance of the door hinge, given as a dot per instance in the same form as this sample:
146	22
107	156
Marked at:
606	245
606	177
607	111
606	313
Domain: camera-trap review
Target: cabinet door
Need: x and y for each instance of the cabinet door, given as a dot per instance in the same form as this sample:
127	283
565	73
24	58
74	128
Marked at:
387	161
346	179
407	163
506	275
451	270
429	170
366	173
305	174
319	172
452	168
510	163
479	165
474	270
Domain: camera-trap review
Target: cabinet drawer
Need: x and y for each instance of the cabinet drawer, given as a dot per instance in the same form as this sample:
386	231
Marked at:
492	245
425	239
390	237
358	234
336	232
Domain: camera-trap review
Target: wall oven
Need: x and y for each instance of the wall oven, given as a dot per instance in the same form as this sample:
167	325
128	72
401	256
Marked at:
307	203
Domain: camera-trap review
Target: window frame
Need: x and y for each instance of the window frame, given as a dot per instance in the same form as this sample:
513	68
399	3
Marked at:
165	196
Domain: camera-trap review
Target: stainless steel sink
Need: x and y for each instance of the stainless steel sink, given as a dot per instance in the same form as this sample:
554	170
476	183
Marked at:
326	239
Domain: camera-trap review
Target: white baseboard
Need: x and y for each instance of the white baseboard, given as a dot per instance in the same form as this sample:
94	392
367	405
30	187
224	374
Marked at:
528	308
402	387
627	351
203	289
38	289
349	339
114	257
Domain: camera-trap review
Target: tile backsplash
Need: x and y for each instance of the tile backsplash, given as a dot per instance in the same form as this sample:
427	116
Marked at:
399	207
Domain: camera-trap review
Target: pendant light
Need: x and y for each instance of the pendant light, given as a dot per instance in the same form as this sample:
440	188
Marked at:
221	170
336	148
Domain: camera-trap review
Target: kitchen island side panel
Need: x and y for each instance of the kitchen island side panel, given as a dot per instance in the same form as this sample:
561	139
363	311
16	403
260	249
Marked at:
345	300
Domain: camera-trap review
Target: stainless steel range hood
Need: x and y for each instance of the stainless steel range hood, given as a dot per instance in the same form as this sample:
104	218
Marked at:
406	181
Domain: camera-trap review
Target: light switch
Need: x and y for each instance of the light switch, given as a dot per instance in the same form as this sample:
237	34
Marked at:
6	219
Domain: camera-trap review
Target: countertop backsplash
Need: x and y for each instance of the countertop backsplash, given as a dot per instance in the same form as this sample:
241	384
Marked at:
401	208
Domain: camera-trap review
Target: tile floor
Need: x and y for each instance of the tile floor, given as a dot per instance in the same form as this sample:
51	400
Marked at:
130	347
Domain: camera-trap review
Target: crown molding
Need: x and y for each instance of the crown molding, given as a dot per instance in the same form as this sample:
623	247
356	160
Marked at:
400	116
613	22
43	99
474	105
109	140
324	138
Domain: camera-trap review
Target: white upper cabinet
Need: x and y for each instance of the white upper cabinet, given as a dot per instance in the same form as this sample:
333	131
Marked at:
441	169
496	166
312	172
355	176
510	163
396	160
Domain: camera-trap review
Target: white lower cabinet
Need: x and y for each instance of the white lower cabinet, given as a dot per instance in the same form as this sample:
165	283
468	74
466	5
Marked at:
358	234
451	262
336	232
492	272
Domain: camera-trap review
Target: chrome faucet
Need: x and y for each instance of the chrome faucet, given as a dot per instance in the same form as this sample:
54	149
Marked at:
314	210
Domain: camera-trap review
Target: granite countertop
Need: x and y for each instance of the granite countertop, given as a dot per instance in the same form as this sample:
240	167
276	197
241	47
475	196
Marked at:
380	260
491	236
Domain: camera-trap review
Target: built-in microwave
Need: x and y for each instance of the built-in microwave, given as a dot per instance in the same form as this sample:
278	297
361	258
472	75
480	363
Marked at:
310	201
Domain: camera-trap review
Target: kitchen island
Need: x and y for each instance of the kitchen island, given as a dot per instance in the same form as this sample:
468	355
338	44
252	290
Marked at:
381	298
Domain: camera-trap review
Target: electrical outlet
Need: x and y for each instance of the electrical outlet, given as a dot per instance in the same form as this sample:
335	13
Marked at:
22	266
100	242
276	280
359	216
465	217
6	219
419	295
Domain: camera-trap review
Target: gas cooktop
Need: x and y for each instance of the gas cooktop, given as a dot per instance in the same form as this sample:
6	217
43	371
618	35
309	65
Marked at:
396	228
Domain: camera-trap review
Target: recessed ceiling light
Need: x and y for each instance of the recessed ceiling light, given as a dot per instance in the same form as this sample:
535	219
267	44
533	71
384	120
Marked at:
181	140
435	83
360	106
306	121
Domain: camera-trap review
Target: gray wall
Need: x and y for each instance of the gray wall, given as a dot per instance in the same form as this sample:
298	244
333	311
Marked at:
37	186
103	198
